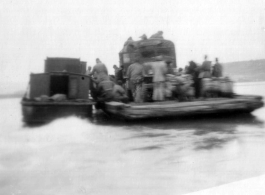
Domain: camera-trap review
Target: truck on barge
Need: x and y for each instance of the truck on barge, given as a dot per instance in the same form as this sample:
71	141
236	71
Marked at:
146	50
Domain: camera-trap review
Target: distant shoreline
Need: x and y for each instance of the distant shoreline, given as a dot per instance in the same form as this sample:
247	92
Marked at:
250	82
6	96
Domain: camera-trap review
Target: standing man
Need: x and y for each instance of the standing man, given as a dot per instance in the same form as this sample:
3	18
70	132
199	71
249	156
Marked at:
217	69
116	69
193	70
98	87
100	72
119	75
88	72
205	70
160	70
135	75
170	68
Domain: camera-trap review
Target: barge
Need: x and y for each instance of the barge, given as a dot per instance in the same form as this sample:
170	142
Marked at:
145	50
175	109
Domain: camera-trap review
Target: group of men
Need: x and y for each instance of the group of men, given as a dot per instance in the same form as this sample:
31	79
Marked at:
135	75
108	89
112	89
206	70
105	89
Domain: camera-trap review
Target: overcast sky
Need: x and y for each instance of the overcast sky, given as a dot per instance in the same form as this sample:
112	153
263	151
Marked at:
31	30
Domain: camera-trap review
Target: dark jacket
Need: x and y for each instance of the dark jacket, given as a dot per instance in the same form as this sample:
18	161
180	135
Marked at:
217	70
105	90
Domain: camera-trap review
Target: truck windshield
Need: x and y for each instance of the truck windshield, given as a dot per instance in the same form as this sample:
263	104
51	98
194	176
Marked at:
163	51
148	52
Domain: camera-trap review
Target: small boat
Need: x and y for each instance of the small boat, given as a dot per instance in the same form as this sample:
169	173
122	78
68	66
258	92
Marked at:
62	90
175	109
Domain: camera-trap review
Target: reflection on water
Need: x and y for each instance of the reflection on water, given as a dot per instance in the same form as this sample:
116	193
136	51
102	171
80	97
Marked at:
104	156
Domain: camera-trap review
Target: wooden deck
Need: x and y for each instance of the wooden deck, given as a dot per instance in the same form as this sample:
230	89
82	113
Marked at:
175	108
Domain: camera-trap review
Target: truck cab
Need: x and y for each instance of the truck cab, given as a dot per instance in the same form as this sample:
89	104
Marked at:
146	51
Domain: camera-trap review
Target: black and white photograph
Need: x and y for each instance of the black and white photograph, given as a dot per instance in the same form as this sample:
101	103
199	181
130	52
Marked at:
121	97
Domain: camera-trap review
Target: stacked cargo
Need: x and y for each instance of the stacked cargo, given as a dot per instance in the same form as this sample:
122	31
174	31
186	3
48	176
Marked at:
217	87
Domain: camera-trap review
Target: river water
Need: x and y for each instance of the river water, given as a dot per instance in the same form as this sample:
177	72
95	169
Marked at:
101	156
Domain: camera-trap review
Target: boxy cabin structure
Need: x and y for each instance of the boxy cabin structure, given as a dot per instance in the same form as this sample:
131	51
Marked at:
62	76
73	65
74	86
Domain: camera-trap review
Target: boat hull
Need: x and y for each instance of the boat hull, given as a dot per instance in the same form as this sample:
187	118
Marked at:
178	109
43	112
